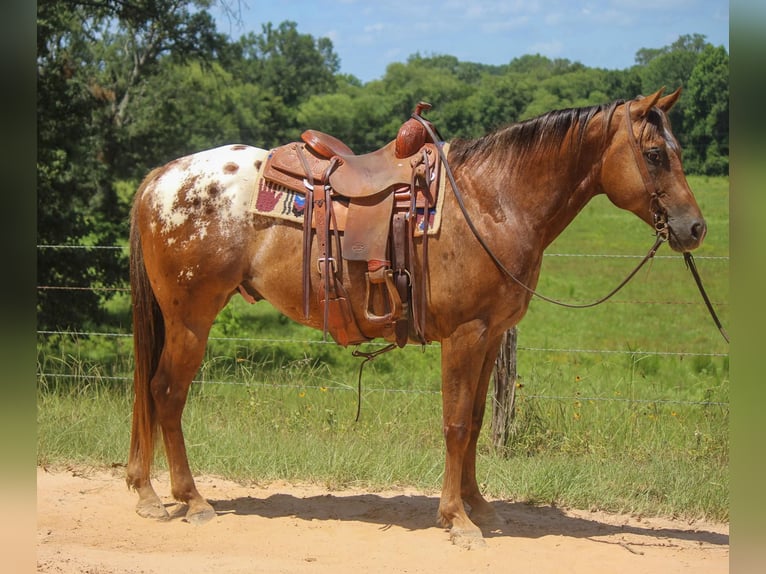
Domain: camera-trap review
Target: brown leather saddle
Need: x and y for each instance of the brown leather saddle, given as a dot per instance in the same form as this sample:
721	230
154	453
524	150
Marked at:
363	208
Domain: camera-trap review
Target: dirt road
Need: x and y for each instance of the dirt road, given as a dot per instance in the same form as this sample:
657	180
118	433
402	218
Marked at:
86	524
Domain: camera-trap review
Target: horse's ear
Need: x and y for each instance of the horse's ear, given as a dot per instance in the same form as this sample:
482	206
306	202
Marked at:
668	101
641	106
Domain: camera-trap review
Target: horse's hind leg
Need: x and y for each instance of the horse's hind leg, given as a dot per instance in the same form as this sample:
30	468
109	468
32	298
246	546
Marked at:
181	357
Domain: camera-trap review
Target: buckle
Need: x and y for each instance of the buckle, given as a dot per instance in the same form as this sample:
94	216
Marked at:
332	262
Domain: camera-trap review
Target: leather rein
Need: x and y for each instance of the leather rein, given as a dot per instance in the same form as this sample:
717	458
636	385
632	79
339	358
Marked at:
661	226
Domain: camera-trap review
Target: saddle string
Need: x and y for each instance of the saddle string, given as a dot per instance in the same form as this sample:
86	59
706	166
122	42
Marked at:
367	358
660	229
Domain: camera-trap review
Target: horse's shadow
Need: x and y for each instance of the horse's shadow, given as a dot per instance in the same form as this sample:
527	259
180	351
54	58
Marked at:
418	512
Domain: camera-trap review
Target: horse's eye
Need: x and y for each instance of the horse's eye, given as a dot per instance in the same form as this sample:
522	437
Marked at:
653	155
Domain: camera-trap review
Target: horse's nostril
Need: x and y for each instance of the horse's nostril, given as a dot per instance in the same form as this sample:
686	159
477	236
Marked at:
698	230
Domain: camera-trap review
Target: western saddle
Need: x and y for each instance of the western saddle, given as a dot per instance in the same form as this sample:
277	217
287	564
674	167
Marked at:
364	208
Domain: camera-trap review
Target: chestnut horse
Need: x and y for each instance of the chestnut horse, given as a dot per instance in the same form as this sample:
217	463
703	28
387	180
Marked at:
195	243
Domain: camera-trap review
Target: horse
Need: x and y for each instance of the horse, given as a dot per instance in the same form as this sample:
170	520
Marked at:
194	244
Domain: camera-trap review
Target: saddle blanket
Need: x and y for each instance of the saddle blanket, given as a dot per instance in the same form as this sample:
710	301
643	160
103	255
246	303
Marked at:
274	200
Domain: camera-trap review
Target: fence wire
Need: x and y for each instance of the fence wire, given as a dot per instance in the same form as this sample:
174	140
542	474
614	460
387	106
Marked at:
341	387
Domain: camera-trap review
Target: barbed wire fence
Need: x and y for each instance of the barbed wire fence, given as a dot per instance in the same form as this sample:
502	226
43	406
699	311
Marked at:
505	375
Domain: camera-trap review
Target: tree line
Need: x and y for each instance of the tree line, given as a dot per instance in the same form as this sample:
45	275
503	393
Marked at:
126	85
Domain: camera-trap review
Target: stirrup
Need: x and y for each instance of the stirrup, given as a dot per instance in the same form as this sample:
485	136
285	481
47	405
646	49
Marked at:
384	277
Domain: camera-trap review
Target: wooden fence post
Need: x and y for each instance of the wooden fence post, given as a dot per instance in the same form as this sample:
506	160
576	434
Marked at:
505	389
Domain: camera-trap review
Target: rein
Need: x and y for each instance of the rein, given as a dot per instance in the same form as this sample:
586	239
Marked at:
659	215
698	280
661	227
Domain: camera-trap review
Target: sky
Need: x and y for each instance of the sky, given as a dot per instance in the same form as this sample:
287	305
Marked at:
369	35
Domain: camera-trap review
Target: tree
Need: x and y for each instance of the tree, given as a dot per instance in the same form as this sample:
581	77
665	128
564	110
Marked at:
435	79
294	66
706	116
671	66
498	100
291	66
185	108
92	57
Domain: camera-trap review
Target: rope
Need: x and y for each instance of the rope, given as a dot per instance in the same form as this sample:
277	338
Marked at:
367	357
698	280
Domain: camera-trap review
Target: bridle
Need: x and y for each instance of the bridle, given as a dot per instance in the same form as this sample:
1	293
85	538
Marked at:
659	213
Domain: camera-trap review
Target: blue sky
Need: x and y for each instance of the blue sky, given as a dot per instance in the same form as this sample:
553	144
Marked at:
369	35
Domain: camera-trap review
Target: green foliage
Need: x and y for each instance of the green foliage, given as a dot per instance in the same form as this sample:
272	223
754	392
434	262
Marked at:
671	67
91	59
706	115
498	100
123	88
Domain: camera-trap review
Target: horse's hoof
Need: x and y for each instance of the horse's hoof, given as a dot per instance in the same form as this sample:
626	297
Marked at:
468	539
152	509
200	515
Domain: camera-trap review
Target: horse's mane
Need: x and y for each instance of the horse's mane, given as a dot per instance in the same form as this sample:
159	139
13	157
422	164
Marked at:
542	134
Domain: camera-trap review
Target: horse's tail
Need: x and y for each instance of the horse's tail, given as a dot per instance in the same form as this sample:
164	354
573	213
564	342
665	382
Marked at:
148	341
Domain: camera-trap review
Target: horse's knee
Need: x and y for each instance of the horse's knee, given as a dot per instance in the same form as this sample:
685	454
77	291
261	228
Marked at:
456	433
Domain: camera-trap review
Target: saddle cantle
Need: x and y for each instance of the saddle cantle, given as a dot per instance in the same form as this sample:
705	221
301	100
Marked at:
324	144
362	208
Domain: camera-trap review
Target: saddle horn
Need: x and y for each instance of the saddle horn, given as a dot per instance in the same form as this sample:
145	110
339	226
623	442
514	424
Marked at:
412	135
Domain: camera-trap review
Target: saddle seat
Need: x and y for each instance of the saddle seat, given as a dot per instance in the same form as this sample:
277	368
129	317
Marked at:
361	175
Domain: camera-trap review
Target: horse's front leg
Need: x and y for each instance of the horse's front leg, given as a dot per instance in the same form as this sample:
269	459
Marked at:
463	360
482	512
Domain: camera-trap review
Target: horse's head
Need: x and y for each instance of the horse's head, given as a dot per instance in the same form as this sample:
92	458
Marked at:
642	171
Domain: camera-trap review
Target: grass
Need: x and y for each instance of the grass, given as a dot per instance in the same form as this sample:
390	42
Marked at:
640	426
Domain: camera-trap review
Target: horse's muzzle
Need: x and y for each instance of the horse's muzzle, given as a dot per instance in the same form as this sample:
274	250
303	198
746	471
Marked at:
686	234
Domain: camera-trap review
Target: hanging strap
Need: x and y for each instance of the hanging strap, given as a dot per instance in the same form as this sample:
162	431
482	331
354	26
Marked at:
698	280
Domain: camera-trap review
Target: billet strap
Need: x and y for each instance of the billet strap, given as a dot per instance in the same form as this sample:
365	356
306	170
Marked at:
325	261
307	219
400	237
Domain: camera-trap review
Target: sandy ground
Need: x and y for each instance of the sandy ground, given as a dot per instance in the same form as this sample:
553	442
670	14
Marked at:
86	524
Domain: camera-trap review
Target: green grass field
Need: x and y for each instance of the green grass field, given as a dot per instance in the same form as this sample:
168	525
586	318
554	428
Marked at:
623	407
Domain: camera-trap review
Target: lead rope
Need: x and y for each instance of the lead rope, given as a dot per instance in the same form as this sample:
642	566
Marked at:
698	280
